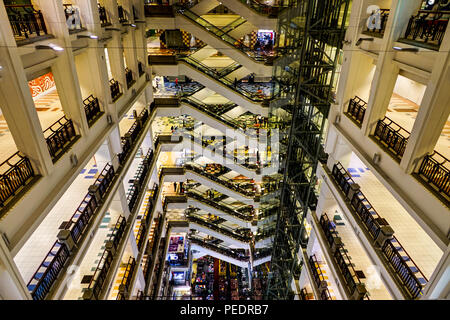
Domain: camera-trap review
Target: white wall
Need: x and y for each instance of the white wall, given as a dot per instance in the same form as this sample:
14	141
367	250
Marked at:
409	89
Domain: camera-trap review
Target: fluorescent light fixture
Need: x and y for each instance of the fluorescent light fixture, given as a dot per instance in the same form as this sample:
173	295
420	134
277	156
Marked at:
51	46
129	24
360	40
413	49
92	36
112	29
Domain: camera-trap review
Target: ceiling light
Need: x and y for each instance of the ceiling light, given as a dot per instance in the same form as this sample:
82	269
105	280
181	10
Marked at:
412	49
112	29
92	36
49	46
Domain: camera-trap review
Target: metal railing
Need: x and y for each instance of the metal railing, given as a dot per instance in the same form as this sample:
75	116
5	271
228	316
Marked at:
141	68
59	138
129	77
103	266
91	108
435	171
48	271
103	182
428	27
115	89
407	271
318	278
15	175
123	14
340	255
395	255
82	216
357	109
391	136
25	21
126	279
103	15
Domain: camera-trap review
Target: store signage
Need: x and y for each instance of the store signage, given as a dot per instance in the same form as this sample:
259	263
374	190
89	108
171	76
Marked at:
374	21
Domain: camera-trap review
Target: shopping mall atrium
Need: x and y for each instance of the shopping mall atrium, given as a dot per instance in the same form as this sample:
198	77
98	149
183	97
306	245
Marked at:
224	149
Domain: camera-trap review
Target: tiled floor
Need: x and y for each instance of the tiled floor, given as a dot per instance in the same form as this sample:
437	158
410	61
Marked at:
414	239
360	260
404	112
33	252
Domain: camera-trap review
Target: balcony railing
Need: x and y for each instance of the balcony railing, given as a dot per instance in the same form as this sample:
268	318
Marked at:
123	15
391	136
124	288
357	109
103	266
115	89
59	136
435	171
47	273
407	271
343	261
132	135
427	28
379	26
319	279
25	21
92	109
103	16
141	68
129	77
397	258
16	173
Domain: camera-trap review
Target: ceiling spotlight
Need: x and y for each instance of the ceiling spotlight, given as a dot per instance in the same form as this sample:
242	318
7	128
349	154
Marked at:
112	29
360	40
49	46
92	36
413	49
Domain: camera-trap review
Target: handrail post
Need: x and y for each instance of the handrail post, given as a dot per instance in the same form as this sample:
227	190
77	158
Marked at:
386	233
65	236
94	191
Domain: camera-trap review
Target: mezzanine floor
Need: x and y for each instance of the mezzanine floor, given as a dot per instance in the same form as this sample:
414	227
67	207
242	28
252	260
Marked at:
414	239
40	242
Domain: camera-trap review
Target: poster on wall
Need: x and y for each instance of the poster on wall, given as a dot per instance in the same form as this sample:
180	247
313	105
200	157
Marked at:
41	84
